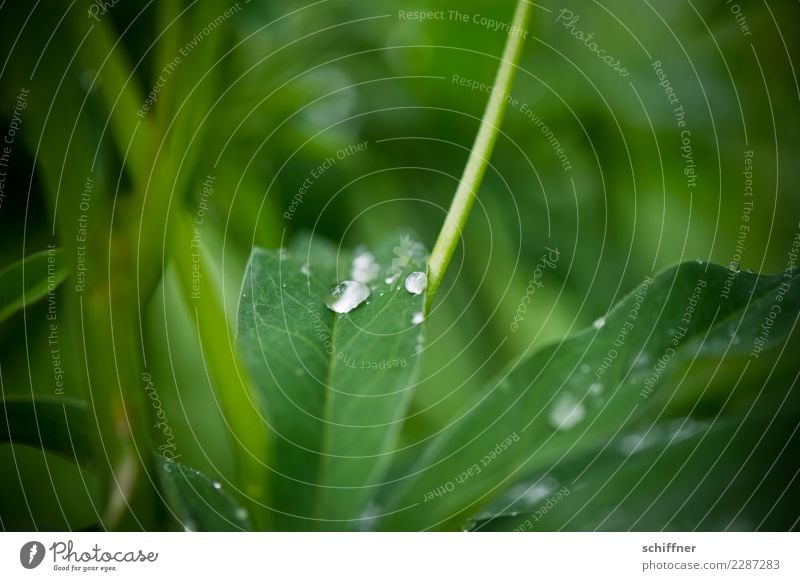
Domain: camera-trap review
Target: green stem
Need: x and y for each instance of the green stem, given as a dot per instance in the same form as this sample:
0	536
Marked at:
479	156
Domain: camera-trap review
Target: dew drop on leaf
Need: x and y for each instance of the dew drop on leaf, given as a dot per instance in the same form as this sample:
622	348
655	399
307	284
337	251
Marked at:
416	282
599	323
417	318
566	412
346	296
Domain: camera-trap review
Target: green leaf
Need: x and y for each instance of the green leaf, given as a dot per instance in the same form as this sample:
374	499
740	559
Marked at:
335	386
57	424
733	474
30	279
680	345
196	502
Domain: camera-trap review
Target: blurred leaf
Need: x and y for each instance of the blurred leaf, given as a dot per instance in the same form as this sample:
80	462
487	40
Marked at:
26	281
675	346
57	424
198	503
679	475
233	390
336	387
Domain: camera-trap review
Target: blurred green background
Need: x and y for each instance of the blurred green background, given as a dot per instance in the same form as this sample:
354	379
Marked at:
276	88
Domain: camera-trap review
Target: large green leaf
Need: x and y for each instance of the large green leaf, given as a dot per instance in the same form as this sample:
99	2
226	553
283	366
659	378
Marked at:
335	386
738	473
197	502
680	345
57	424
28	280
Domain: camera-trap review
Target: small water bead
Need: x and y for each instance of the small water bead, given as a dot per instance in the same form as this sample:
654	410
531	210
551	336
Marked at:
216	485
368	519
599	323
417	318
346	296
416	282
667	434
365	269
304	269
390	280
566	412
537	492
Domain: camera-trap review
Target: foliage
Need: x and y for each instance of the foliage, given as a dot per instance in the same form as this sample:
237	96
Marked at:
167	360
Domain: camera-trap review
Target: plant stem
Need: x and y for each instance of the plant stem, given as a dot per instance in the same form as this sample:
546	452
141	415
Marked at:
479	156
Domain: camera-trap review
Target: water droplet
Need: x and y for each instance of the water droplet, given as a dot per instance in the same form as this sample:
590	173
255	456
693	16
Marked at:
216	485
416	282
368	519
241	514
537	492
599	323
283	285
664	435
364	268
631	444
346	296
683	428
417	318
567	412
390	280
642	360
596	388
305	269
